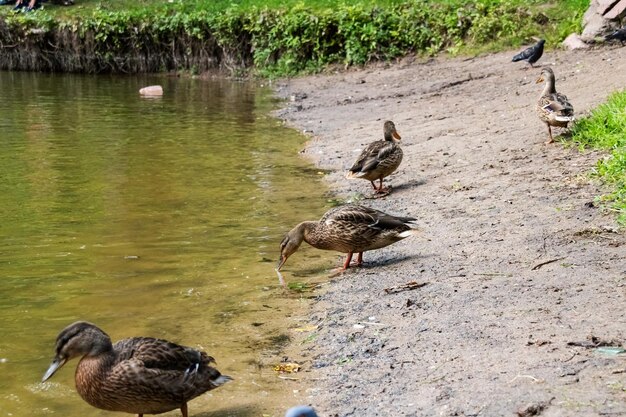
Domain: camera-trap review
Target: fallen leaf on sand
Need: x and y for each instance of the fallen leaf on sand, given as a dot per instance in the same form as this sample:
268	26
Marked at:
305	328
288	368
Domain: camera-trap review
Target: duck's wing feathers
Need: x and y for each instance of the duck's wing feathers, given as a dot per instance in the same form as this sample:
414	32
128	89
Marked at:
160	354
163	369
369	157
367	217
383	154
558	104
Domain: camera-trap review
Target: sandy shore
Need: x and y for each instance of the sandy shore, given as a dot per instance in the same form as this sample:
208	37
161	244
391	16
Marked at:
524	275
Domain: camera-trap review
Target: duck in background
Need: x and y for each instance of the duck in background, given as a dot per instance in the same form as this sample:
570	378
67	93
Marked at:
553	108
379	159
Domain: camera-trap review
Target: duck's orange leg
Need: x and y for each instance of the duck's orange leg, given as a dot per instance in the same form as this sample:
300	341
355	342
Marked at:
183	409
549	133
359	259
346	265
381	189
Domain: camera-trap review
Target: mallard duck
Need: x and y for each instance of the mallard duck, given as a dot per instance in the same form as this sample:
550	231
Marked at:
379	159
553	108
139	375
531	54
301	411
348	229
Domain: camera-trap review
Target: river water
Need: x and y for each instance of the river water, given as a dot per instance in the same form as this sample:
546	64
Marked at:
149	217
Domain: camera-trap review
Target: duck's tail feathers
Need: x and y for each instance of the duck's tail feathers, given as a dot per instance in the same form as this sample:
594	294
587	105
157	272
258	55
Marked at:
407	233
564	118
221	380
352	175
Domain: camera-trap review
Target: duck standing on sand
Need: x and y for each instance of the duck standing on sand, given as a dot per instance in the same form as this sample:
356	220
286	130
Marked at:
532	54
139	375
553	108
348	229
379	159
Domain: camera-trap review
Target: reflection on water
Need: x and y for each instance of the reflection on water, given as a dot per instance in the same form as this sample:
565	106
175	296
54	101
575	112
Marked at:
157	217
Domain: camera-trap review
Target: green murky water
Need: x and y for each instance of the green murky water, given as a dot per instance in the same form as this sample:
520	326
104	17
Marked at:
157	217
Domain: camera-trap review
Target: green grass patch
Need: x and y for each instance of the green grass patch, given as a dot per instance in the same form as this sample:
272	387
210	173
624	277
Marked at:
274	37
605	129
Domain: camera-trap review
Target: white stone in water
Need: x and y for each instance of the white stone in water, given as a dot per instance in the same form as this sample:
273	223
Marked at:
152	90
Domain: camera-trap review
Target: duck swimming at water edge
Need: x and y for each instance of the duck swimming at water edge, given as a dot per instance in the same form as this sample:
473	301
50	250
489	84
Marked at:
139	375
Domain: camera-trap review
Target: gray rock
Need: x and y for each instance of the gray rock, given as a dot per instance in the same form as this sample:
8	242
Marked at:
573	41
602	17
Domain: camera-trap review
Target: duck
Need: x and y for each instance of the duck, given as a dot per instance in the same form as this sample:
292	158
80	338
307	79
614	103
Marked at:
138	375
531	54
553	108
379	159
348	229
301	411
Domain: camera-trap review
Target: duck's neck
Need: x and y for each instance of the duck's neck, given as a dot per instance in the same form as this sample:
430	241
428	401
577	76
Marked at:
549	88
310	232
92	371
389	136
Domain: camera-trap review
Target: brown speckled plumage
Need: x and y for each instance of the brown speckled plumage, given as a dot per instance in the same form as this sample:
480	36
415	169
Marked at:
139	375
553	108
348	229
379	159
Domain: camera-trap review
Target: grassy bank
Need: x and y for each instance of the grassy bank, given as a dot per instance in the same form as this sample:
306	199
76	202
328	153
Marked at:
272	37
605	129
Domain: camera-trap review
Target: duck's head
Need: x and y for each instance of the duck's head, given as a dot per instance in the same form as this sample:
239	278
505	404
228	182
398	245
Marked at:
301	411
546	75
291	242
76	340
390	131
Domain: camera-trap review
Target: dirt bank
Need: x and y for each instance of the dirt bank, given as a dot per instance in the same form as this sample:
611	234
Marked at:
521	269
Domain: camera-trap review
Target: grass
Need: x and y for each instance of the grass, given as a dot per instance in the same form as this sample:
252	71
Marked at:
551	19
86	6
281	37
605	129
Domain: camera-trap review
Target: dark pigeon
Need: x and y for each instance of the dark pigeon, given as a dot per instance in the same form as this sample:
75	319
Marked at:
531	54
618	35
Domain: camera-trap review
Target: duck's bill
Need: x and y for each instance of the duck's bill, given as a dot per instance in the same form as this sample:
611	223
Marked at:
54	366
396	135
281	262
539	80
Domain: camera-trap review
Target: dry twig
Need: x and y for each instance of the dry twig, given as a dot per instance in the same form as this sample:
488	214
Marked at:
412	285
549	261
